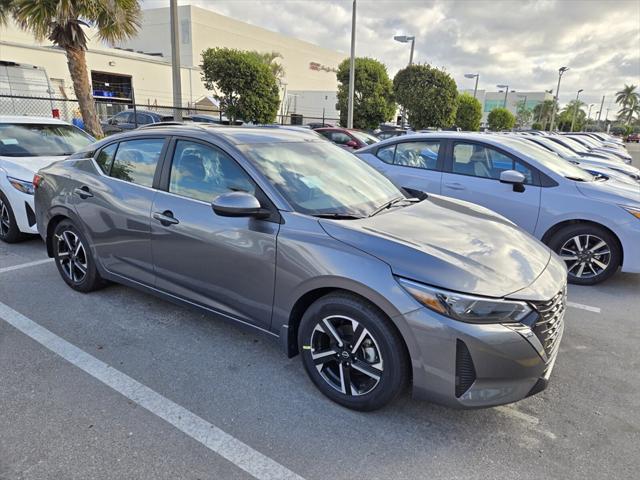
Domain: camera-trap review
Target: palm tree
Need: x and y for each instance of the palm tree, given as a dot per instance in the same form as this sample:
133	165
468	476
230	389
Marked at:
62	22
269	59
628	99
542	112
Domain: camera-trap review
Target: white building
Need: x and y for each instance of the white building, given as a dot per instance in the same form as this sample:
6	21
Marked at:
141	67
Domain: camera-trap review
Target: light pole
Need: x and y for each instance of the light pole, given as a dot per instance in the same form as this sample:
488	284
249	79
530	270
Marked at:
524	104
476	76
406	39
175	61
352	67
506	92
589	115
575	110
561	71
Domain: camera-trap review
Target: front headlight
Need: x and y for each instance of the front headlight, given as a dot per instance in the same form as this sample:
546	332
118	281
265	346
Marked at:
633	211
23	185
466	308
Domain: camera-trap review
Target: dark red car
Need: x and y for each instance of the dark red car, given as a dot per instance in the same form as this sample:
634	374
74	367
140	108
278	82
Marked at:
634	137
347	138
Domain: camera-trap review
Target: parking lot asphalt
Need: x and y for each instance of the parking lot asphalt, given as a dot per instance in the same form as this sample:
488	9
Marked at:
60	419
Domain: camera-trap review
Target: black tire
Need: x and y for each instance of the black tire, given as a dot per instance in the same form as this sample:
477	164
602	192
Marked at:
9	231
586	266
381	352
76	265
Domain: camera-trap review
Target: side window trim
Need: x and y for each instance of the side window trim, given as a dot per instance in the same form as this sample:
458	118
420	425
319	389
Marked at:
449	161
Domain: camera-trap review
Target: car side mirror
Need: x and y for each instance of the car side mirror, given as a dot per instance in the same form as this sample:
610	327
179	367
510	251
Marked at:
352	144
514	178
238	204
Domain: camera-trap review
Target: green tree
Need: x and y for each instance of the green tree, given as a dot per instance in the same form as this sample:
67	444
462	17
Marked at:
501	119
469	113
62	22
373	94
271	60
542	113
523	115
629	100
628	113
245	86
429	96
566	116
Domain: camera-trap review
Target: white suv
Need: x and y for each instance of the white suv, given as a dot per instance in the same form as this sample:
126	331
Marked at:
28	144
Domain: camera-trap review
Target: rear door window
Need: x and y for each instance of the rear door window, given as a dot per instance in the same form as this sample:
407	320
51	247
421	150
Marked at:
422	154
136	160
105	157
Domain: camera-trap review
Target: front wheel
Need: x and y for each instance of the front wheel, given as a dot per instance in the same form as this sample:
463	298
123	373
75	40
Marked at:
352	353
9	231
591	253
74	259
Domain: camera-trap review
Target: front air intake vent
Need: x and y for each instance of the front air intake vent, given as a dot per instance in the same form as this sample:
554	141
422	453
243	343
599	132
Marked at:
465	371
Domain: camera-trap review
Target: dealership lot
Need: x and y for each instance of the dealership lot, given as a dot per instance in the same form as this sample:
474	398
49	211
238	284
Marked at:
226	401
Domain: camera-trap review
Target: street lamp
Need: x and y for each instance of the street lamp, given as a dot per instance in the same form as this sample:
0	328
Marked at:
476	76
575	110
506	92
406	39
561	71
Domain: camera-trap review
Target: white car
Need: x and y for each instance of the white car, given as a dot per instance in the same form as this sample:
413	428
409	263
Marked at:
28	144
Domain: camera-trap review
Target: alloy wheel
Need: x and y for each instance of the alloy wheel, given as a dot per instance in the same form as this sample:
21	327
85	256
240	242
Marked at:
586	256
5	220
71	256
346	355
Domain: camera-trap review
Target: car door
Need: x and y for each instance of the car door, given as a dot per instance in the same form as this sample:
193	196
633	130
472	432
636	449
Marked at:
472	173
224	263
415	165
114	206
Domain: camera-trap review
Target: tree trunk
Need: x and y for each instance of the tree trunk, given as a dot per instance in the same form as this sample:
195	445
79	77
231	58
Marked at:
77	63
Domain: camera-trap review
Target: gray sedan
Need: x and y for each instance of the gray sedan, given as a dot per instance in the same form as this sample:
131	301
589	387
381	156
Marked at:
286	233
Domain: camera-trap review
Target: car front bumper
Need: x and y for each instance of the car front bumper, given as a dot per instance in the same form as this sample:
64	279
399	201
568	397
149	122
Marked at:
467	365
22	206
629	236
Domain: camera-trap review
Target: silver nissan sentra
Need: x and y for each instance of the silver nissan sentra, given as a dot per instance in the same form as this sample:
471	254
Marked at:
287	233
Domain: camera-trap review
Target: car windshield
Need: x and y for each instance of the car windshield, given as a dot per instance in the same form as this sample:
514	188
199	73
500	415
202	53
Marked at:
548	159
585	141
41	140
556	147
364	137
318	178
572	144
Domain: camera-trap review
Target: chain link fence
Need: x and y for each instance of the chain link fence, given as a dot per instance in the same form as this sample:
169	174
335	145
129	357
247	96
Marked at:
69	111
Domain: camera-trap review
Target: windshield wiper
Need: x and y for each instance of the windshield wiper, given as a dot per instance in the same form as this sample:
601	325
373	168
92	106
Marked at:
337	216
389	204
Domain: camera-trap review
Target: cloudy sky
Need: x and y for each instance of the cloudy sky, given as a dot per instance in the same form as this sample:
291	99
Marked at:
521	43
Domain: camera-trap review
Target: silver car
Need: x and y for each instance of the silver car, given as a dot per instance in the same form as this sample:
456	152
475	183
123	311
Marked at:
289	234
593	223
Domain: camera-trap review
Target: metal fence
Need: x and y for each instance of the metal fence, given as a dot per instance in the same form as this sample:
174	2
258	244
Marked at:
68	109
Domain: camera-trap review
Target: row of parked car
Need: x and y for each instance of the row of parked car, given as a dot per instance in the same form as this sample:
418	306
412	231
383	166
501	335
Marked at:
413	261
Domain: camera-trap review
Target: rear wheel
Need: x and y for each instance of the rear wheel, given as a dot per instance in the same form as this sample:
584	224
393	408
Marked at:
74	259
9	231
591	253
352	353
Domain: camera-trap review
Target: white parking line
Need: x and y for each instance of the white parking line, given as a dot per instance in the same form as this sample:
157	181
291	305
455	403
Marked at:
242	455
25	265
584	307
530	419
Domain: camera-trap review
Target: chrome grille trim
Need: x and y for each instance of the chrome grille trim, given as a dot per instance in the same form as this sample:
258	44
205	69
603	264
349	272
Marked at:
550	325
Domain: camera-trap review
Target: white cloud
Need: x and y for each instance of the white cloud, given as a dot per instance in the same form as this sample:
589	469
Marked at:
521	43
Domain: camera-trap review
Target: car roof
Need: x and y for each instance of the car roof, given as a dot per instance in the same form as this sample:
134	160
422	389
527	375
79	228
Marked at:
235	135
40	120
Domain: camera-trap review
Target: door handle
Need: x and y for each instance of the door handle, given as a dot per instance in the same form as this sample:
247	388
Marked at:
455	186
83	192
166	218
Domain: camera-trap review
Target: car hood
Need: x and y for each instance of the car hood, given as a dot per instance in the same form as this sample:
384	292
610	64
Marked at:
612	191
24	168
449	244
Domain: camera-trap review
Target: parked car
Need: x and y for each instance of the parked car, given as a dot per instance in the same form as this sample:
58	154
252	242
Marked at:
202	117
594	165
592	223
582	150
596	146
26	145
633	137
347	138
385	133
284	232
126	120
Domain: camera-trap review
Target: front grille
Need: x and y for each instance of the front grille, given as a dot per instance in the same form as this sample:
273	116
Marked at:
465	371
549	326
